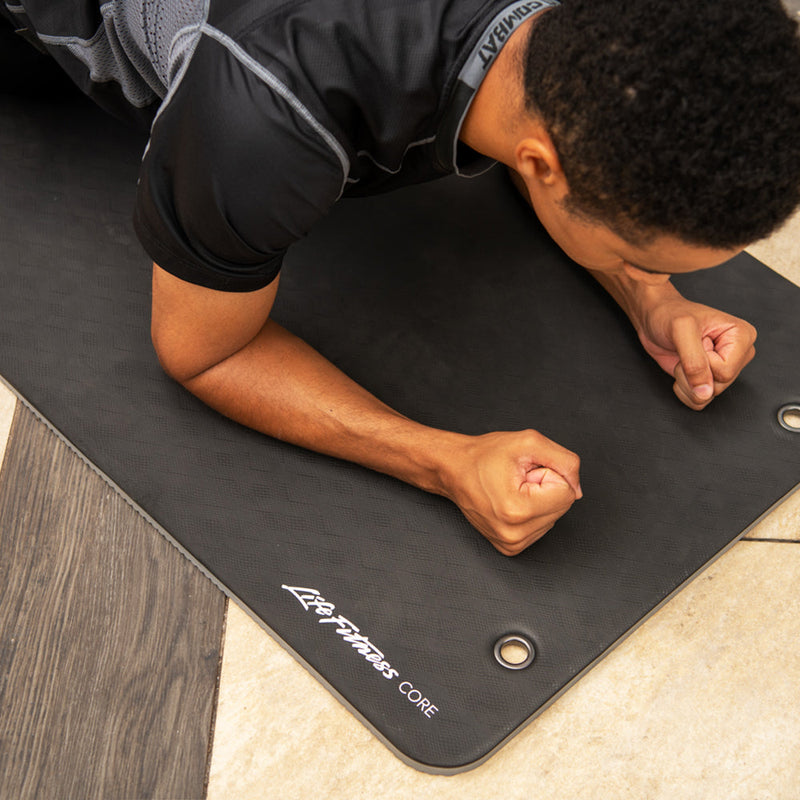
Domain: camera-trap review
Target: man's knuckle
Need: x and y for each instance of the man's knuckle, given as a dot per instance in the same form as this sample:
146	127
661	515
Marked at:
511	515
504	537
531	437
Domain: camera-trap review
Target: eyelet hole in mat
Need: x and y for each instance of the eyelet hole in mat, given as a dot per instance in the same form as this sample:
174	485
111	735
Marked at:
514	651
789	417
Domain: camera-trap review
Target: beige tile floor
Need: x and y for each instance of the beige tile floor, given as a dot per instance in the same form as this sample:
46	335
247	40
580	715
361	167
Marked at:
700	702
7	404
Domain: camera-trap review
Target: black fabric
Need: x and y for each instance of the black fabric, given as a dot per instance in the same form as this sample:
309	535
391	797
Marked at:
273	110
451	305
283	108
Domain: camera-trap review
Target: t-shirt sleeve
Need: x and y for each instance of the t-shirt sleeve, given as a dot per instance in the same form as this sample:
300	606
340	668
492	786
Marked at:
235	171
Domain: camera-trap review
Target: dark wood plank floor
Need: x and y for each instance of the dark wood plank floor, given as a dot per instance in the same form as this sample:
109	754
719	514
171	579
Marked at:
109	638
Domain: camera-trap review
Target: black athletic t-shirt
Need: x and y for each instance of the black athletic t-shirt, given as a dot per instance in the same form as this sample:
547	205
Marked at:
276	113
271	110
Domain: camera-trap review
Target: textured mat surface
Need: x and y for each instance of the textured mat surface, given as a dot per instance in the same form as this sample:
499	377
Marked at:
449	303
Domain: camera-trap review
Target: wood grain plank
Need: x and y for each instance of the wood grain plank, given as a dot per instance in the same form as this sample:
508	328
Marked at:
109	638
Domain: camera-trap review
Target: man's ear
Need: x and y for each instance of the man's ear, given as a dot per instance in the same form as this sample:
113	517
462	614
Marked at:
536	158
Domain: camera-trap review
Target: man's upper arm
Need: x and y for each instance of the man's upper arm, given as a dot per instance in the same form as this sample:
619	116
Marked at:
193	328
232	176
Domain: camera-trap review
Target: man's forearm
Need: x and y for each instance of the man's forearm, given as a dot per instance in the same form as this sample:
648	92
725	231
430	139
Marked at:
512	486
279	385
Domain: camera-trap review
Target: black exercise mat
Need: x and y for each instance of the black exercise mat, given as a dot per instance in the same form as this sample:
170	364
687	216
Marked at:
450	303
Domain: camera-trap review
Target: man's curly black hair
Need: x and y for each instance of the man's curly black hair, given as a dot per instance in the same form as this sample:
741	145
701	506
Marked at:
677	117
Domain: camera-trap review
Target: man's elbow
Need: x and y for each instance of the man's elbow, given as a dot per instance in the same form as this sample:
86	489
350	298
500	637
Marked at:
194	329
174	355
165	356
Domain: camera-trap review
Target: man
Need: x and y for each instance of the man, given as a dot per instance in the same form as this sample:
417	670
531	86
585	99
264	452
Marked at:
651	137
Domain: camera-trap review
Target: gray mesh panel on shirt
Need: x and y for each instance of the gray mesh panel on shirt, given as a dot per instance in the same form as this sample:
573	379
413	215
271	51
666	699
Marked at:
154	24
138	45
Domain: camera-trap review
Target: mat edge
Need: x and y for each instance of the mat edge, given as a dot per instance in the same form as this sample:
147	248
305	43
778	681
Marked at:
418	765
613	646
229	594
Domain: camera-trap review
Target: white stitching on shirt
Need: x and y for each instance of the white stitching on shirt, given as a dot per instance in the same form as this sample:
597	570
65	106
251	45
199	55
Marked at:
280	88
400	166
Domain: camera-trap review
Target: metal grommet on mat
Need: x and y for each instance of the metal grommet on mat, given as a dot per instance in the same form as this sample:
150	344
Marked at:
514	651
789	417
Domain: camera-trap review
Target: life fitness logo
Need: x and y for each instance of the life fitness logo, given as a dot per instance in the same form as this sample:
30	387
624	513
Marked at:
350	633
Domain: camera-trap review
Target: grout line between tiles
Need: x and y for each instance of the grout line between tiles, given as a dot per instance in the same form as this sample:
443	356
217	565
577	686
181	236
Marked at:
776	541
